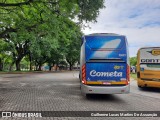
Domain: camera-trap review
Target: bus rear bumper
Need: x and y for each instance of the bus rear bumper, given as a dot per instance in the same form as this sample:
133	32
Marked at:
145	83
86	89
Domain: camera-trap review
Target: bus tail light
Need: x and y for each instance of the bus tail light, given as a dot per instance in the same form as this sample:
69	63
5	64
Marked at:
128	75
84	74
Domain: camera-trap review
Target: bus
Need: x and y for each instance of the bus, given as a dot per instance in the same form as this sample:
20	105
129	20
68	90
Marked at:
104	64
148	67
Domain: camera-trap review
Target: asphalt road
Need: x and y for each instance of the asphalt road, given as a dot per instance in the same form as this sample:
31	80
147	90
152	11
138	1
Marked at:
60	91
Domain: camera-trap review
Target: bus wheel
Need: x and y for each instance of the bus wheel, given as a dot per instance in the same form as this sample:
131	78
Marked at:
88	95
139	86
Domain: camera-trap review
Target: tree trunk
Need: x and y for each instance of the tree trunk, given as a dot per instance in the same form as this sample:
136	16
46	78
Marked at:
30	66
1	65
50	67
36	64
39	67
30	62
36	67
56	67
70	66
18	68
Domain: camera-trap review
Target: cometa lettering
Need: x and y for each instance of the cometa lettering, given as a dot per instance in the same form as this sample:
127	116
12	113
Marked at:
94	73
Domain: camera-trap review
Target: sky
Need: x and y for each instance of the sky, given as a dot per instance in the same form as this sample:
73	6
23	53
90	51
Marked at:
138	20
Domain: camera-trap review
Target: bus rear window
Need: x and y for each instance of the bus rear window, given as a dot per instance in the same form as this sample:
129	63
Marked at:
113	43
153	65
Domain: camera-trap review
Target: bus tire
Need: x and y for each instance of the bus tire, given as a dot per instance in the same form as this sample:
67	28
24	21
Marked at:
88	95
139	86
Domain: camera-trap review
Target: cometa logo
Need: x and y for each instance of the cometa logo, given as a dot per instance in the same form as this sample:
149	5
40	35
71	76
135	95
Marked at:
94	73
155	52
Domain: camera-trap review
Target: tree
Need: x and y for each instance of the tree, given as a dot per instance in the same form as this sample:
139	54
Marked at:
133	61
27	29
35	12
57	56
41	50
27	24
4	55
72	52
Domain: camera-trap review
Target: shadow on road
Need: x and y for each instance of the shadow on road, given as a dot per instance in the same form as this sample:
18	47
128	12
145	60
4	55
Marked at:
150	89
103	97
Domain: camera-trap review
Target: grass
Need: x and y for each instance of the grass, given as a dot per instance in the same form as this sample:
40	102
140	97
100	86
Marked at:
133	75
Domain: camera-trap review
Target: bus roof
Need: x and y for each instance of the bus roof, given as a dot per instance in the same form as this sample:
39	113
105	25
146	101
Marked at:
103	34
147	47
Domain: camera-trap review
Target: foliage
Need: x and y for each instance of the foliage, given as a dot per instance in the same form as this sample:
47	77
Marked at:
73	48
44	29
133	61
4	55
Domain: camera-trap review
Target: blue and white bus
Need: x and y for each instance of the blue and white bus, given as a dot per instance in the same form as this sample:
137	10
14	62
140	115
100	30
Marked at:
104	64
